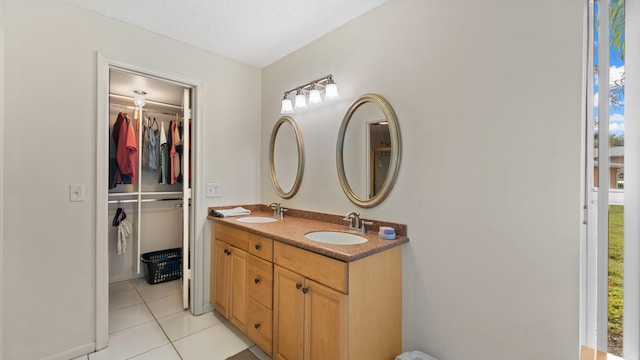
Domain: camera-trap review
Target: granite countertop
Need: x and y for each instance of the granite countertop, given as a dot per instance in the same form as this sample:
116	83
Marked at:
291	230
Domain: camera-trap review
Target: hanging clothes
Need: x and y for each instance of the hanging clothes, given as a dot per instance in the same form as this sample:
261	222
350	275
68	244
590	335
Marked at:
177	159
145	144
152	159
124	230
172	153
115	136
163	155
125	141
157	145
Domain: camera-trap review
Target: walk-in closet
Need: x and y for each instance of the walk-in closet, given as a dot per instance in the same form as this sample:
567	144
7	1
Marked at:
150	177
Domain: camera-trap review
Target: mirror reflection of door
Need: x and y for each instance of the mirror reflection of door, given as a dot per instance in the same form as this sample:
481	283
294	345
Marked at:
380	150
380	159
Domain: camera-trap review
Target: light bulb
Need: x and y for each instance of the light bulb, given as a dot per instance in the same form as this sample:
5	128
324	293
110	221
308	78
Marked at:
287	107
139	100
301	102
314	97
331	91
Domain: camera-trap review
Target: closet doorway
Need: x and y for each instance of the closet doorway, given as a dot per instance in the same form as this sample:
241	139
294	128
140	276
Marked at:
145	183
149	178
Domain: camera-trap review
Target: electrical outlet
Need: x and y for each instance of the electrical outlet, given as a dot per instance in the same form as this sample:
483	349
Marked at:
213	190
76	192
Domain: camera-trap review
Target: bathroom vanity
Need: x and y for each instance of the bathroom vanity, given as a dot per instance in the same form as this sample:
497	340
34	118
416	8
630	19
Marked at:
302	299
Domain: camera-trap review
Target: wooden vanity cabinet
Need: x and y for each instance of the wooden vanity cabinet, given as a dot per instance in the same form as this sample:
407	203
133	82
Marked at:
328	309
297	304
220	269
242	281
309	318
230	286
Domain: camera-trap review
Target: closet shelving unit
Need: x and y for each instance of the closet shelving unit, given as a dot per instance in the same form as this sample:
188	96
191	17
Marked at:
136	193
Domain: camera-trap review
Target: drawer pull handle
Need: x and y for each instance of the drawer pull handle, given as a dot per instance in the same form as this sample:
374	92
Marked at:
305	290
256	280
258	246
298	286
256	325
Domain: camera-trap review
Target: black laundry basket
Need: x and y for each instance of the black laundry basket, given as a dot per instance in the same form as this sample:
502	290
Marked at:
163	265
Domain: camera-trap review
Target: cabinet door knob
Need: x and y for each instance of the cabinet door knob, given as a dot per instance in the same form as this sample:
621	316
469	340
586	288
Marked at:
226	252
256	325
305	290
256	280
258	246
298	286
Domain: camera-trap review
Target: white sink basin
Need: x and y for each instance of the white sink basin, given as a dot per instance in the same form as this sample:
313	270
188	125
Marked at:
256	219
335	237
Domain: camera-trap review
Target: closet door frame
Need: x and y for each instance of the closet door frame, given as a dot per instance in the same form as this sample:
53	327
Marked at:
196	257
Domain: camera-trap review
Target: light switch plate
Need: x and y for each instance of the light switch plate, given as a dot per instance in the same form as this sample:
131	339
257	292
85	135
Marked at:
76	192
213	190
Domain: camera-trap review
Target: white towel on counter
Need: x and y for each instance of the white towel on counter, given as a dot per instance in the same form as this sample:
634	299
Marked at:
237	211
124	231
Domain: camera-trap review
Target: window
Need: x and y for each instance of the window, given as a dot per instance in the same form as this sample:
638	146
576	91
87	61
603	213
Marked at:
603	255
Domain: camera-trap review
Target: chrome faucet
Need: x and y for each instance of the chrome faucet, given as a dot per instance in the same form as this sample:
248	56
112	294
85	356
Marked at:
278	210
354	220
355	223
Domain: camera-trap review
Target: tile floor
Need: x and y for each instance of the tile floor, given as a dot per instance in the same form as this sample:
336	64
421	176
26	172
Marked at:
147	322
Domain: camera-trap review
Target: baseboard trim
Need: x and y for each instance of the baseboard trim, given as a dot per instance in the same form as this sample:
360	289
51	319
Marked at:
115	279
73	353
205	309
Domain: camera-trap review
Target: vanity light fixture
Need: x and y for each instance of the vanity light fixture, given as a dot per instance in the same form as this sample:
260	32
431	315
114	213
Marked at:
331	91
139	100
301	100
314	95
313	90
287	106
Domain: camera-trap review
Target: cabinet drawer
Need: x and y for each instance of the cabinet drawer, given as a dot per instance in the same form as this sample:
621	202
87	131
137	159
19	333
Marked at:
233	236
260	328
261	246
320	268
261	281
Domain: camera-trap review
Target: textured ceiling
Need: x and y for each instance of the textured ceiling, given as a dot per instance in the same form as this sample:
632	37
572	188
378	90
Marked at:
255	32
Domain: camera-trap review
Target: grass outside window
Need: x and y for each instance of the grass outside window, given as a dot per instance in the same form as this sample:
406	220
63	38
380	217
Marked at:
616	266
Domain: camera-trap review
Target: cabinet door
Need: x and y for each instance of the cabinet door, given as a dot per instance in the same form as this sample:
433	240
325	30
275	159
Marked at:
325	322
288	315
220	278
238	296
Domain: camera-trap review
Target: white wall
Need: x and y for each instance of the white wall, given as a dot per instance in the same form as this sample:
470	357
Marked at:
492	271
2	152
50	54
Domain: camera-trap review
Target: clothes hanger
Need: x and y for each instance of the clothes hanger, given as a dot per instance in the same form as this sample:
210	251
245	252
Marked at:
116	220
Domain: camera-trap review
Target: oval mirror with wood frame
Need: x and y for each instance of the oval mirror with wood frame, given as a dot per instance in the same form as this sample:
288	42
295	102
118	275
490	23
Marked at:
368	150
286	157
